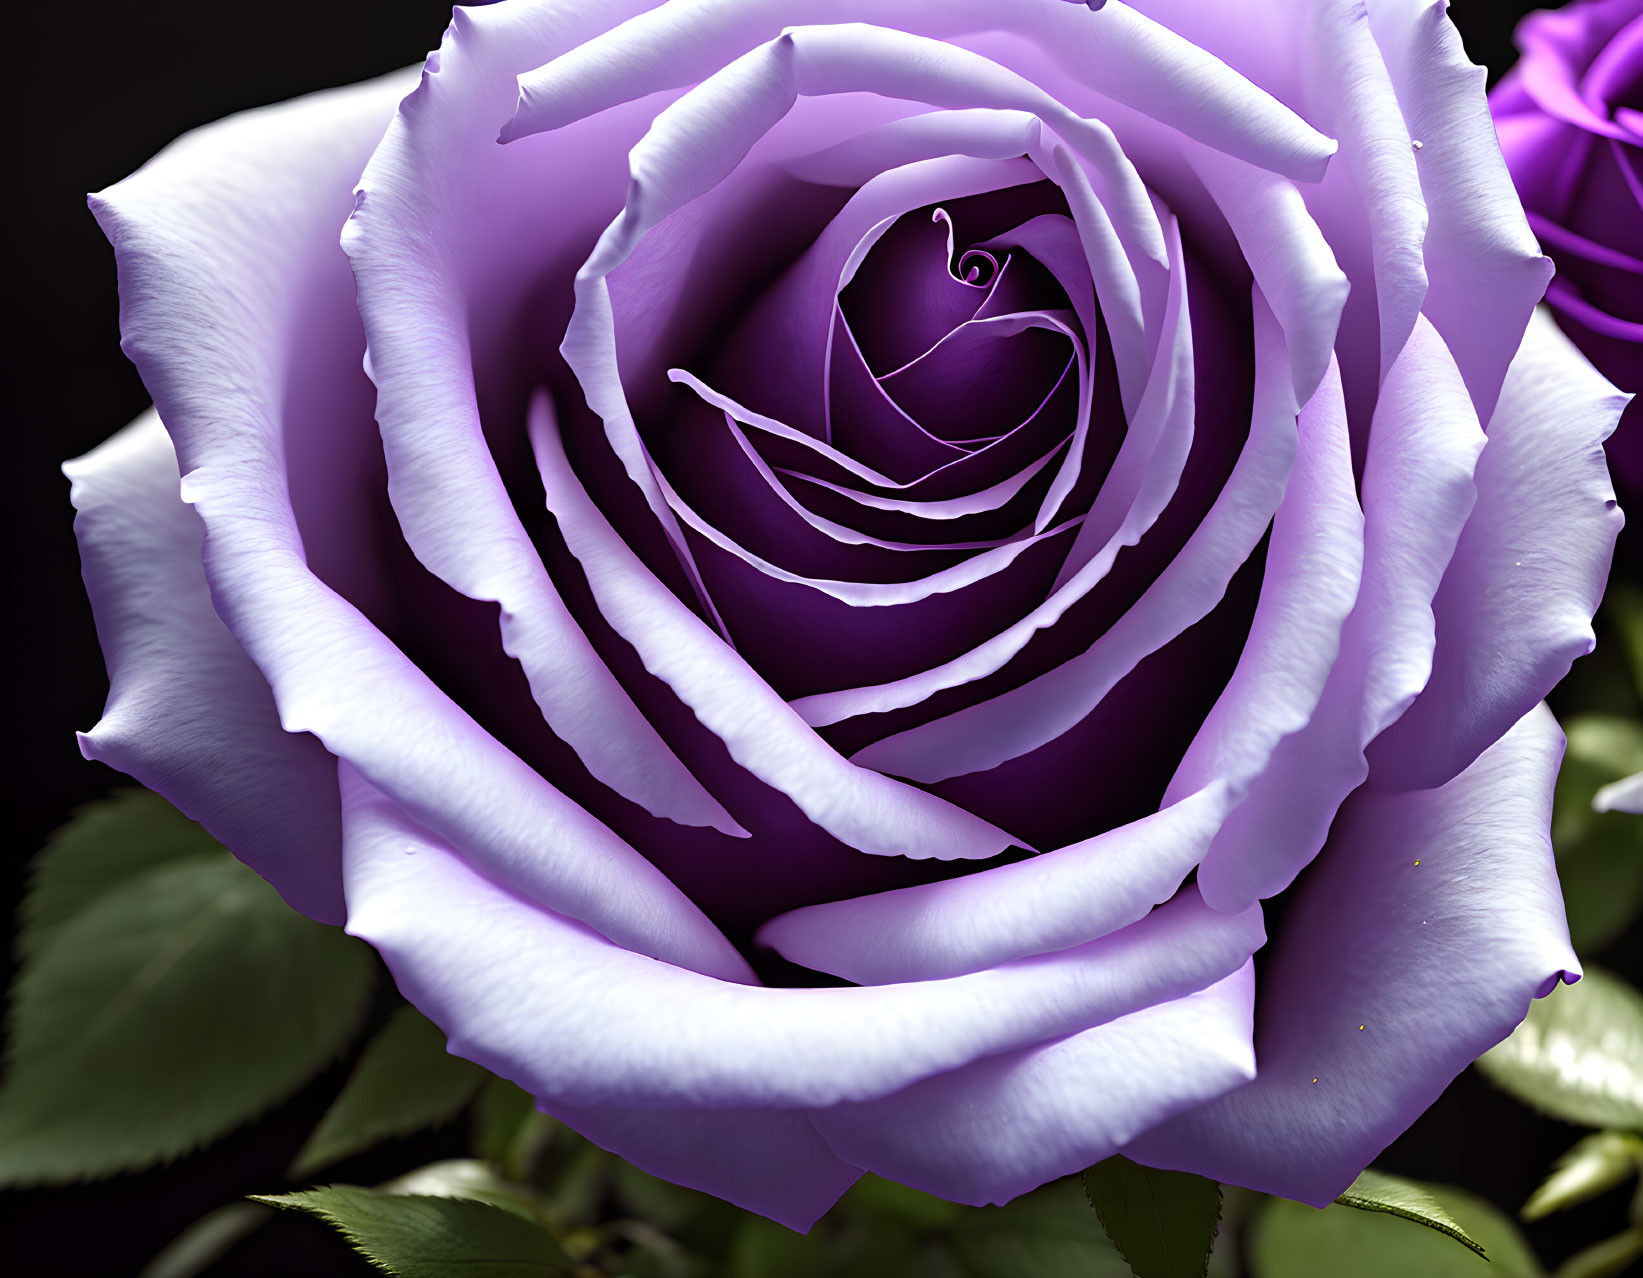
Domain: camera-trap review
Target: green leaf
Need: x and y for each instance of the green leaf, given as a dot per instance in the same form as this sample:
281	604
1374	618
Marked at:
575	1182
106	844
509	1131
1376	1191
1049	1233
1599	854
637	1249
1579	1054
1162	1222
420	1236
405	1081
898	1204
466	1178
1611	1258
660	1202
879	1229
1292	1240
206	1241
1624	605
1597	1163
171	1008
761	1248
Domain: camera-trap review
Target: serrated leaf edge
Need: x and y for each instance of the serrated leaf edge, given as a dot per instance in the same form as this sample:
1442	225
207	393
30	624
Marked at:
1454	1231
170	1156
1215	1227
287	1202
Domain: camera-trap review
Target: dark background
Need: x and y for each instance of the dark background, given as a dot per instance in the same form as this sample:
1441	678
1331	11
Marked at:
91	92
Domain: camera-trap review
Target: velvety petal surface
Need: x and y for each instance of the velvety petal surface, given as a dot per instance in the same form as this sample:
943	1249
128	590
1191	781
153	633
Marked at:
1516	603
577	1020
415	242
862	808
1049	902
203	203
771	1161
1484	270
1414	944
1007	1124
219	243
1124	54
188	714
1418	491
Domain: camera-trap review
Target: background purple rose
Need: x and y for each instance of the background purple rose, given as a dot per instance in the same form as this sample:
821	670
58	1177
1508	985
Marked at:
1570	118
1047	598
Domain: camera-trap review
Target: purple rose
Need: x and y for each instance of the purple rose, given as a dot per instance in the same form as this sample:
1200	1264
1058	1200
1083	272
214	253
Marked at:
976	499
1570	117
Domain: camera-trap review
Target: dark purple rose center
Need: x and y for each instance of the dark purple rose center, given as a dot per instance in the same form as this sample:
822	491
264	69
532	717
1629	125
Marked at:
960	432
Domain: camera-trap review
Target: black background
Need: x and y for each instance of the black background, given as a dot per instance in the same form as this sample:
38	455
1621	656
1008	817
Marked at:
91	91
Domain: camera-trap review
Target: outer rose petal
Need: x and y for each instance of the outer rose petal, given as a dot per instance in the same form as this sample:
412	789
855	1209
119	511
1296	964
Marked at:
1423	930
188	714
577	1020
221	243
423	248
1007	1124
165	334
771	1161
1353	88
1417	493
1515	606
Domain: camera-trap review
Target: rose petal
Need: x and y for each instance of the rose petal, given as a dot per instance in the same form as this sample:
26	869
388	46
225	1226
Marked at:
962	501
1293	265
1002	1126
1557	48
1314	565
1355	95
750	493
979	501
1147	470
988	375
862	419
871	812
1049	902
1122	53
410	242
869	594
1017	721
1417	493
577	1020
188	714
219	242
1515	607
770	1161
174	209
1484	270
1415	943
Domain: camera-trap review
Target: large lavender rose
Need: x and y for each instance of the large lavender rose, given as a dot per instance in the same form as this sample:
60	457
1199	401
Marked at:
977	497
1570	116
